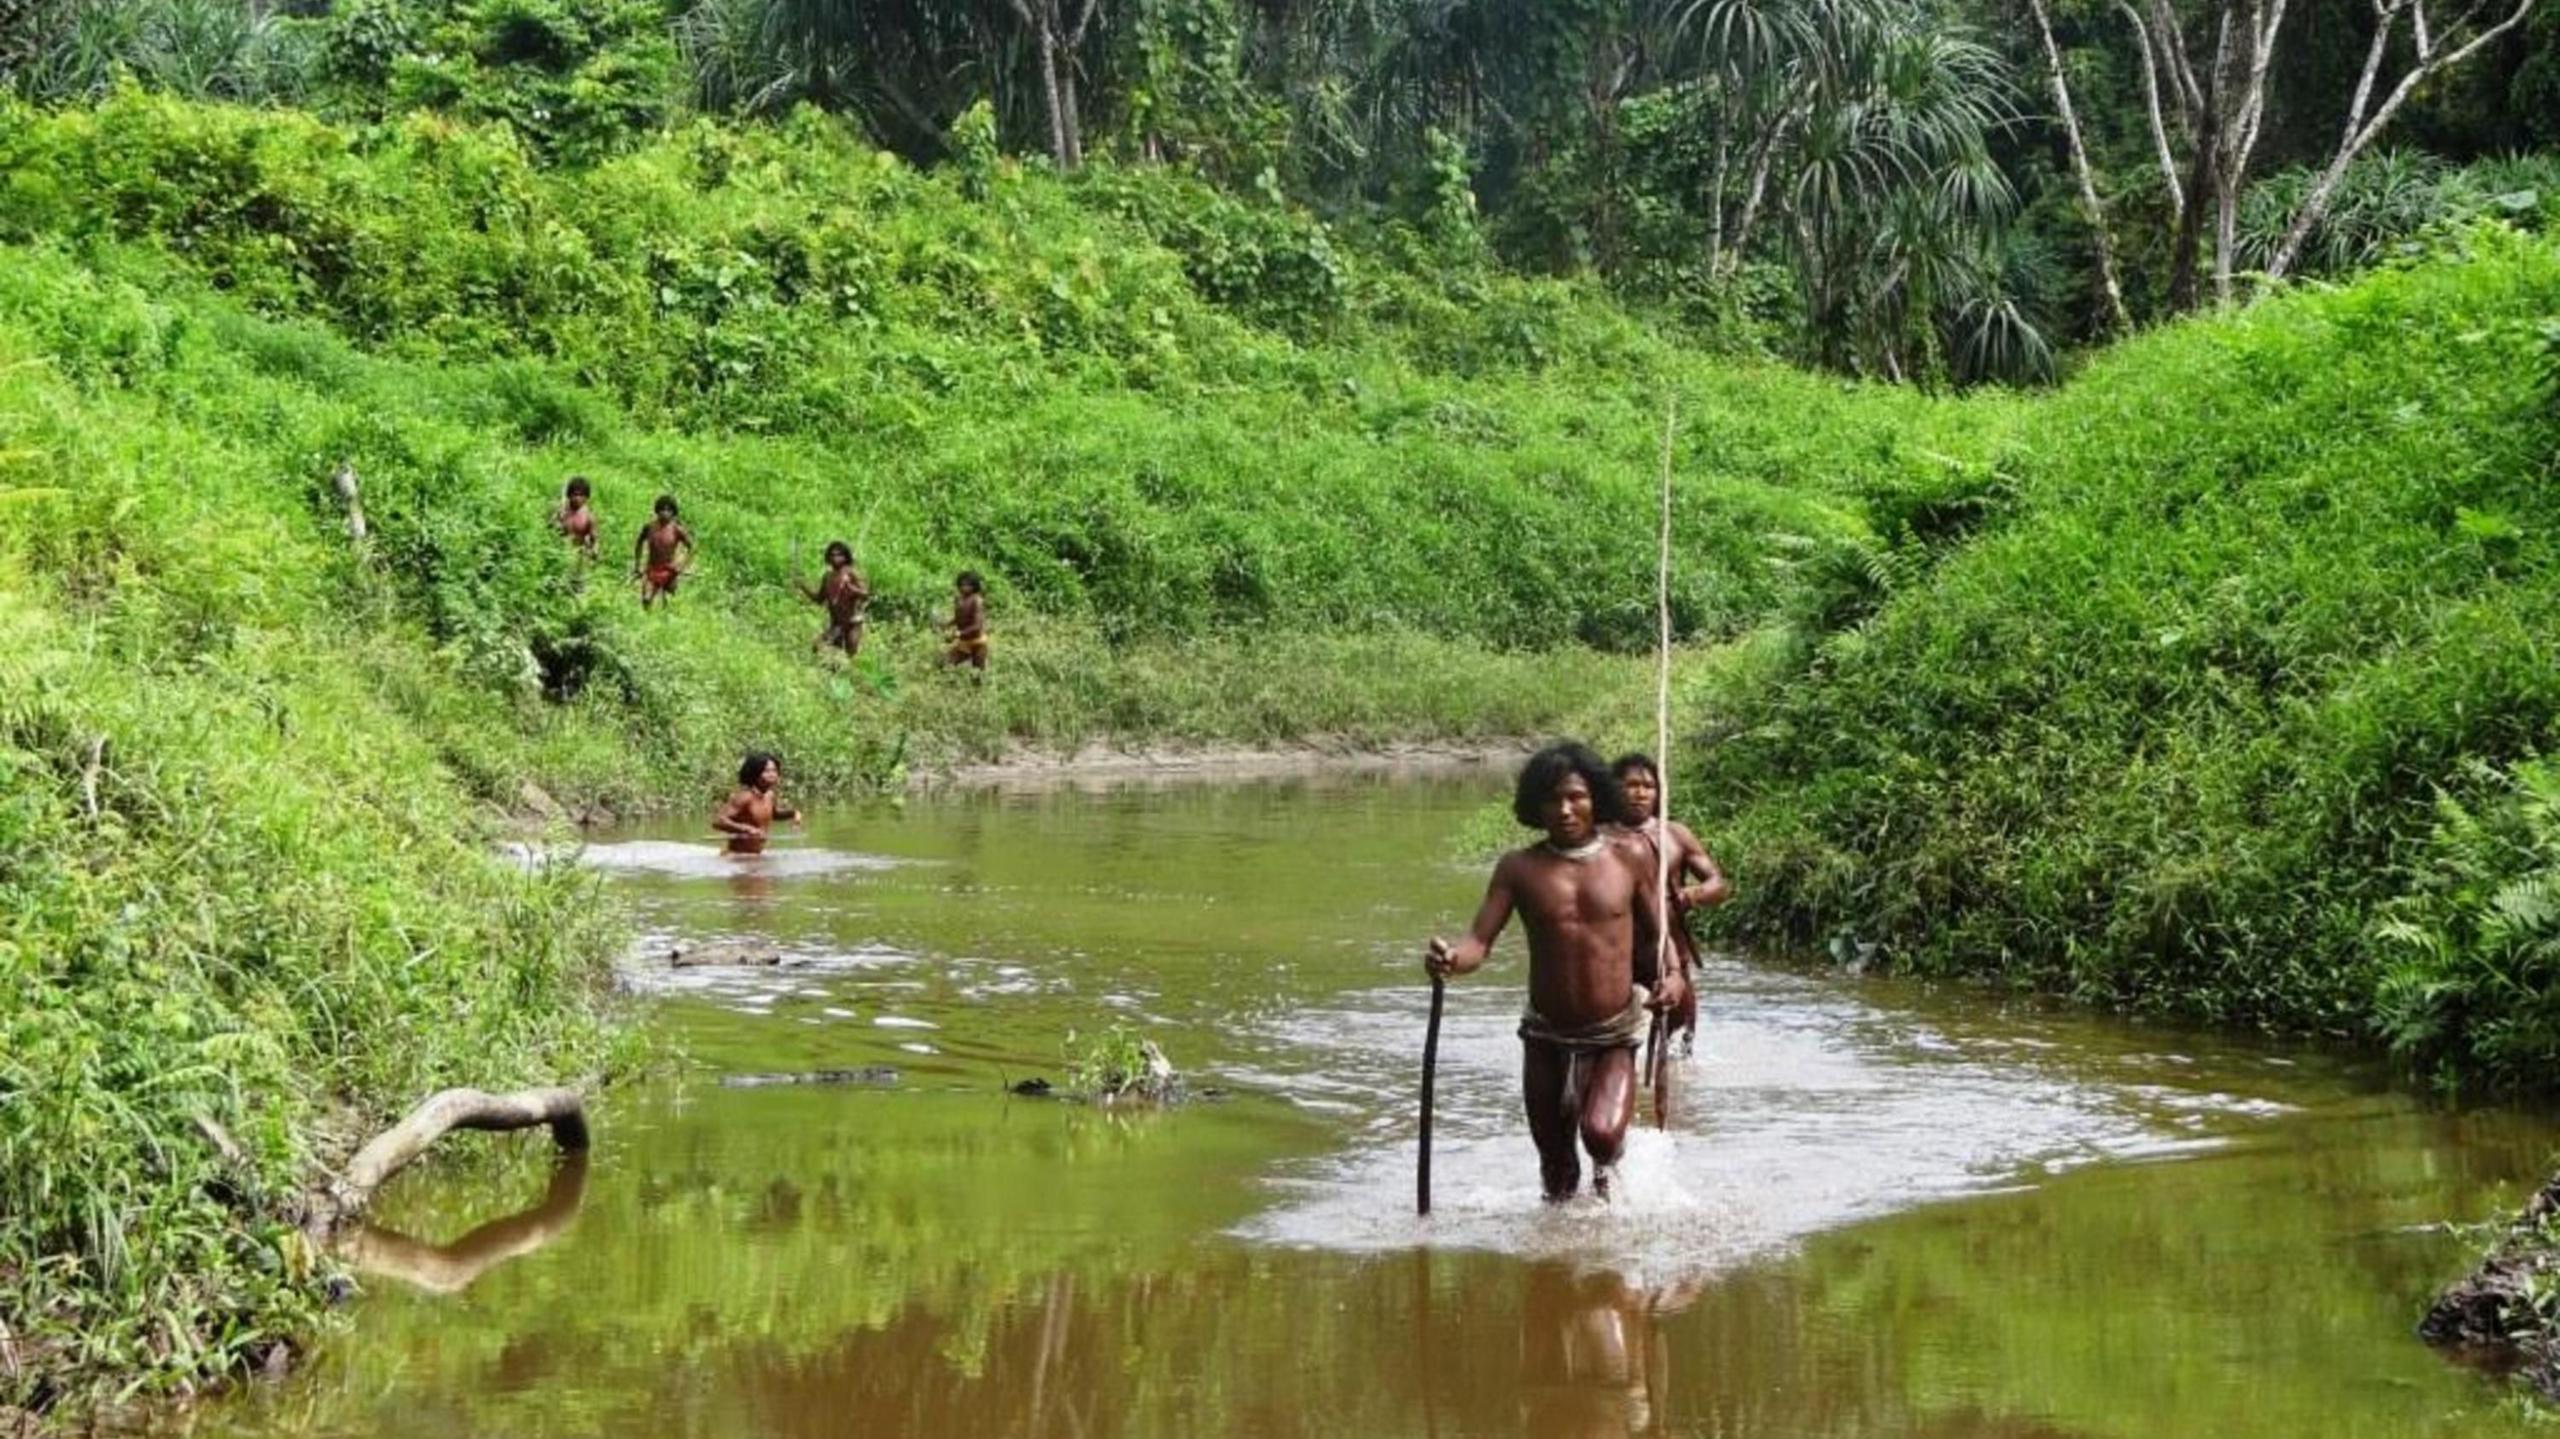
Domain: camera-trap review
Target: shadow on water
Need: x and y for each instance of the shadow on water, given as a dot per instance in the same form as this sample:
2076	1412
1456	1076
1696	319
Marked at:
1880	1210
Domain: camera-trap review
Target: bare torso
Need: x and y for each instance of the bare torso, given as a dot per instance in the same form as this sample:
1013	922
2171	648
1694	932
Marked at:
844	595
1580	918
749	816
663	541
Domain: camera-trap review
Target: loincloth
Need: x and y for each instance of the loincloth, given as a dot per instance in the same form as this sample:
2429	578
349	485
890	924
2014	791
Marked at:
664	577
1581	1045
1623	1030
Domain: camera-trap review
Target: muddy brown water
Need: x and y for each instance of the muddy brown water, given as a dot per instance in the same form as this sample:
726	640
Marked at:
1879	1209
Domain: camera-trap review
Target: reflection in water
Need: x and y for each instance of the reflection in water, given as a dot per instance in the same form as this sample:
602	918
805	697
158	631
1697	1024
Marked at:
1591	1358
452	1268
750	883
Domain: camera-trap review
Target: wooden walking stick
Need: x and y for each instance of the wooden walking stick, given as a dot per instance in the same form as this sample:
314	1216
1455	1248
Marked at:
1430	1063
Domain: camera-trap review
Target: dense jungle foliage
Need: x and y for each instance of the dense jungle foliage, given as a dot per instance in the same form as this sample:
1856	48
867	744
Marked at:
2238	710
1953	191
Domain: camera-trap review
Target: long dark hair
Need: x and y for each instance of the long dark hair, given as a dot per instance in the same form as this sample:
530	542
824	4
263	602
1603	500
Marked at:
752	767
1547	769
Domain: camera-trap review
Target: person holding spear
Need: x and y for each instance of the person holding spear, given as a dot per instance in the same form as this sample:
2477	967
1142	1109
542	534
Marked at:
1589	907
1696	881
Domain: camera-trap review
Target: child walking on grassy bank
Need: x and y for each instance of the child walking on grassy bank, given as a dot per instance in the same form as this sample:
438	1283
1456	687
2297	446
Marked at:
847	598
968	623
661	554
576	517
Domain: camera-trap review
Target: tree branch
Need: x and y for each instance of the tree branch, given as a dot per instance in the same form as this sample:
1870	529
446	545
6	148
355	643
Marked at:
392	1150
2182	71
2356	136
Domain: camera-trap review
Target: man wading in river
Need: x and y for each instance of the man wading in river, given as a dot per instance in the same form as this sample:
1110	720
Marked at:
1588	905
1696	883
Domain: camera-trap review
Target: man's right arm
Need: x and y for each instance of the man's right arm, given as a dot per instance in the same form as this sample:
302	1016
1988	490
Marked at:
731	818
1441	959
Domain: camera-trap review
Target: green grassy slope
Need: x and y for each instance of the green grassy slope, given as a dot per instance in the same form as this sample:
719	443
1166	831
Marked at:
2181	731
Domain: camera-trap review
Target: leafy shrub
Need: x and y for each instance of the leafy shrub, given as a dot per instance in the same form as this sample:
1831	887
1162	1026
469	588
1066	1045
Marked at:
579	79
2389	200
2471	972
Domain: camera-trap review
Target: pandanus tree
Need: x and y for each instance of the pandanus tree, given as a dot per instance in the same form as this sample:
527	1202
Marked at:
1853	140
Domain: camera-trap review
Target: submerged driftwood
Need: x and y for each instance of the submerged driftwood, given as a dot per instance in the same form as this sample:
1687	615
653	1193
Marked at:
724	952
391	1151
2491	1317
868	1074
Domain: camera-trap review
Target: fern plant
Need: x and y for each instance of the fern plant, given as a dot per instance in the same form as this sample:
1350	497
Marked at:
2472	968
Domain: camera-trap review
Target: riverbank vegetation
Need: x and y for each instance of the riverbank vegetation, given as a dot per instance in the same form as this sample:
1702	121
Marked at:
2237	709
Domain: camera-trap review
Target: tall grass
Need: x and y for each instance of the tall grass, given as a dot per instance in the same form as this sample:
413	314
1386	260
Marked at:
2174	733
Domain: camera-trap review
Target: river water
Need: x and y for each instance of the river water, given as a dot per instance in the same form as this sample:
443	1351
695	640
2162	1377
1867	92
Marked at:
1877	1209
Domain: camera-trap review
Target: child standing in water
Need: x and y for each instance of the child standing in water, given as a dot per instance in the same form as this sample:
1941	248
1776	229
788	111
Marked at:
968	623
575	519
847	598
748	815
661	554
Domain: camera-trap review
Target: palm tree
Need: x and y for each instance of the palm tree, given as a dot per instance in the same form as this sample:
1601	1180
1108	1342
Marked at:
906	67
1855	134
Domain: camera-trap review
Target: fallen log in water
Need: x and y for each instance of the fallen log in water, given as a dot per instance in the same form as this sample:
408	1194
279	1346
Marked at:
395	1148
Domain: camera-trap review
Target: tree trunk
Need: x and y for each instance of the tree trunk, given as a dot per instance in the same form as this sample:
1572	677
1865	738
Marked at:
1049	94
2359	132
2151	104
1074	132
2186	251
1715	205
1765	150
2089	202
2262	23
2226	231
